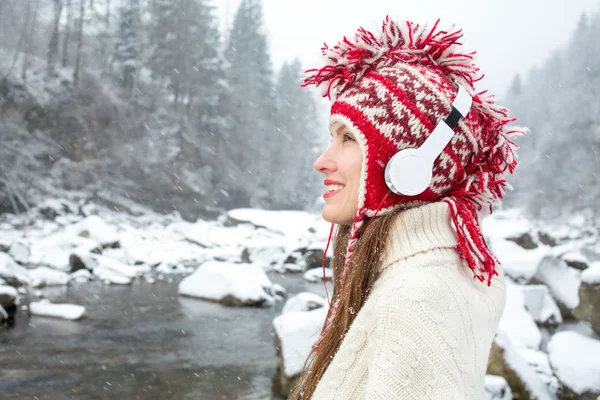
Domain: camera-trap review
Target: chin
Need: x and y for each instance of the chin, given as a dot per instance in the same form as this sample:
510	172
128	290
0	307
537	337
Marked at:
330	215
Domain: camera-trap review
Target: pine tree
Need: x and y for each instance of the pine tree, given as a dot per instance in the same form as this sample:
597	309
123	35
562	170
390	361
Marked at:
126	44
297	122
254	138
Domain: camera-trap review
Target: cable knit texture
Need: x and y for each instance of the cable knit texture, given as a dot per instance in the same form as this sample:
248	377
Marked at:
426	329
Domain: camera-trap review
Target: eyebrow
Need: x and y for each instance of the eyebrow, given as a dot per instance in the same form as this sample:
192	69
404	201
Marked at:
338	130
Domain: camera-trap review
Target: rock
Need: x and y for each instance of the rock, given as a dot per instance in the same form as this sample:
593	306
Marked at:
44	308
496	388
563	283
12	273
525	241
575	260
295	334
246	255
9	297
547	239
304	301
541	305
316	274
506	361
574	359
76	263
231	284
518	263
314	258
19	251
589	297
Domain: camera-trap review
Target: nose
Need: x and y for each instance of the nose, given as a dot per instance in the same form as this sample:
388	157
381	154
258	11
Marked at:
325	163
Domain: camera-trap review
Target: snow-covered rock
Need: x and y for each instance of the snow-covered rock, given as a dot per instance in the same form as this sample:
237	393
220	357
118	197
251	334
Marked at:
576	361
516	322
588	308
518	263
45	308
304	301
229	283
562	281
541	305
54	251
19	251
576	260
504	224
591	276
95	228
44	276
506	359
296	333
496	388
12	272
9	297
316	274
82	276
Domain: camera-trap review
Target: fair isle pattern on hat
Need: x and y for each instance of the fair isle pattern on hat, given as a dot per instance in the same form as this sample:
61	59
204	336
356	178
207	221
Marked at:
391	91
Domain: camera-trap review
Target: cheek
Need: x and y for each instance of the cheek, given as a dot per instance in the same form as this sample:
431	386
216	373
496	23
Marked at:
355	166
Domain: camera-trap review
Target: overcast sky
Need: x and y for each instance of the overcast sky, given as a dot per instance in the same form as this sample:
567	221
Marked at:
510	36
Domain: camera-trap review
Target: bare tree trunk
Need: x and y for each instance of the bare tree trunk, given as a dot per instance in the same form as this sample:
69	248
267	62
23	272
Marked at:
29	37
53	46
65	47
76	72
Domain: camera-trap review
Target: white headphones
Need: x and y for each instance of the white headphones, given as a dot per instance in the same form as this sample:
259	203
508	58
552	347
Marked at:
409	171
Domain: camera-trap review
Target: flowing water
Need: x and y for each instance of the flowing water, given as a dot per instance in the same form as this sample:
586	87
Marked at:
143	341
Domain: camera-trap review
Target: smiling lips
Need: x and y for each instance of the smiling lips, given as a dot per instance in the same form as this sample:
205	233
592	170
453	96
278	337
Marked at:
333	188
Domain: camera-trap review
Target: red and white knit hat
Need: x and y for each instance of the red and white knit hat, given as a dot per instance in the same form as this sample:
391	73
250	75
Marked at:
391	90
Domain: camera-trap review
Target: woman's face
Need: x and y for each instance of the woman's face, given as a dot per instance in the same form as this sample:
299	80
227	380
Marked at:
341	163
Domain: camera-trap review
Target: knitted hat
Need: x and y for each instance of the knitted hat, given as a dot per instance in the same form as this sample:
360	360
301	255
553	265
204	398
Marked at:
391	90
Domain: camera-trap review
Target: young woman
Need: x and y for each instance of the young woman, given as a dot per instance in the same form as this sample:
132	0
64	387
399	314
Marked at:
417	292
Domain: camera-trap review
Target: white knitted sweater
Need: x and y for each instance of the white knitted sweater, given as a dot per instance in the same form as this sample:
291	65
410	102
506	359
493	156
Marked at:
426	329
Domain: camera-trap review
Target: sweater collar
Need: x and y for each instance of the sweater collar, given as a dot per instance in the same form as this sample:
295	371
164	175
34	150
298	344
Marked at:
425	229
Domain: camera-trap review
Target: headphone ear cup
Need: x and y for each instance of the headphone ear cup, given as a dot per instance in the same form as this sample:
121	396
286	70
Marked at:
407	173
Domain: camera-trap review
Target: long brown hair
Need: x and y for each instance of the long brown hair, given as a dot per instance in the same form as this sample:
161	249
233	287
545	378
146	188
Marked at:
366	259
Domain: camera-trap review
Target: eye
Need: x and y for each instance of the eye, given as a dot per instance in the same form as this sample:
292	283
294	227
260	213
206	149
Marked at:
347	137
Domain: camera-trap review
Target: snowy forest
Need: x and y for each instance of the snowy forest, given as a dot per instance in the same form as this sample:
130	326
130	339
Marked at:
160	225
559	170
145	100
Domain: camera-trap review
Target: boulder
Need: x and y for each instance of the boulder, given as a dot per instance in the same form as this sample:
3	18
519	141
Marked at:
230	284
588	309
574	359
295	334
525	241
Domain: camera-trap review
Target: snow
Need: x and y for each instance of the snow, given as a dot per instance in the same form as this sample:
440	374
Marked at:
19	251
505	224
3	313
95	228
562	280
516	322
591	275
54	251
574	359
496	388
513	355
82	276
518	263
289	223
304	301
10	269
216	280
541	305
298	331
575	256
316	274
45	308
44	276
